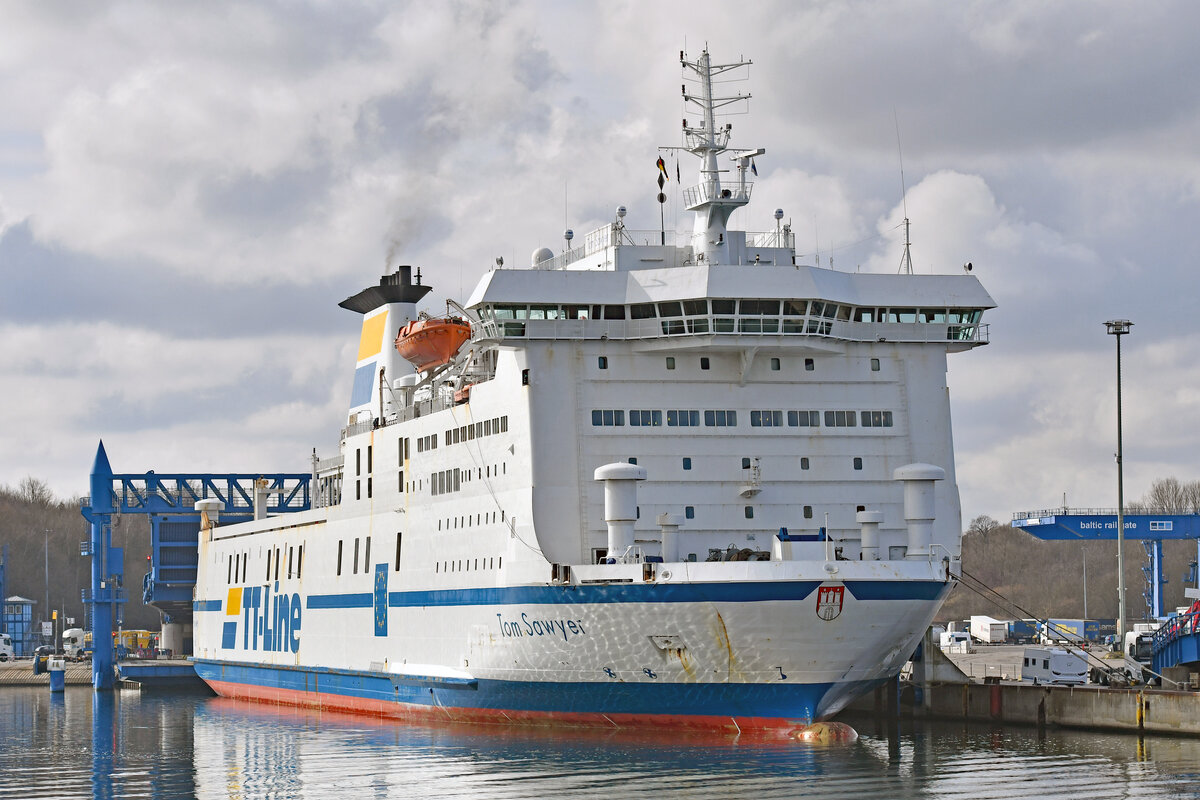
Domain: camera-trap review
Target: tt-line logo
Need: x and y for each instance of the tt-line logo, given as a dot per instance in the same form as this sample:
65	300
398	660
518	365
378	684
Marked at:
270	620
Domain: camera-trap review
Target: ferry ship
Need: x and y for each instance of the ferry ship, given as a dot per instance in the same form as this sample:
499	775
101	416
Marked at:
687	482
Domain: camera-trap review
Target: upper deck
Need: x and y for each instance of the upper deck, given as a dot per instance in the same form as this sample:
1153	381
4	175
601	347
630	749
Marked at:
710	305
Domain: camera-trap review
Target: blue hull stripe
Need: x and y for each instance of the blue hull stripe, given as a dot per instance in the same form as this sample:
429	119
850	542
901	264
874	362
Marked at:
726	592
619	593
761	700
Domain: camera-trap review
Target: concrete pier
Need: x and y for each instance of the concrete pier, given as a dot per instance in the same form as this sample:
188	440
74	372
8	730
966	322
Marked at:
1094	707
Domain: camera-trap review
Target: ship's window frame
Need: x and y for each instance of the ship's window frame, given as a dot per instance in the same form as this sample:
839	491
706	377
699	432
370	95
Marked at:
689	512
858	463
673	308
339	557
670	362
687	462
804	462
874	365
795	308
642	311
367	555
355	556
683	418
802	418
614	312
704	362
749	512
810	365
775	365
808	512
602	362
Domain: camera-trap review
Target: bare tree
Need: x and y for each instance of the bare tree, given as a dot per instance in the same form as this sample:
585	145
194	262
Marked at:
982	526
35	491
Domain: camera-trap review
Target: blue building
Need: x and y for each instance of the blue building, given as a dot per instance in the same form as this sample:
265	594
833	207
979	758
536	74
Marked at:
17	621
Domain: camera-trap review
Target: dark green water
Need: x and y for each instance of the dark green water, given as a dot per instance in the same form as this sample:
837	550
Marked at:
171	746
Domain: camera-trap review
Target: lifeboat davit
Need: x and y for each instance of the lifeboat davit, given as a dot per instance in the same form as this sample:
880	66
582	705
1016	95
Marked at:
432	341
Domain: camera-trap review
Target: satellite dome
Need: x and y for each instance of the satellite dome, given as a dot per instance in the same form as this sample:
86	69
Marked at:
540	255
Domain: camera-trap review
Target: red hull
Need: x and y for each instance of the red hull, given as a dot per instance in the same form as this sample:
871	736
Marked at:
421	713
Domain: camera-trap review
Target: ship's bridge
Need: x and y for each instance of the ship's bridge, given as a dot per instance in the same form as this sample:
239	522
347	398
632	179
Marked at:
708	302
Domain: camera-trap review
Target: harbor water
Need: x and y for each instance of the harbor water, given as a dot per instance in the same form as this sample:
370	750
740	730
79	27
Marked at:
123	744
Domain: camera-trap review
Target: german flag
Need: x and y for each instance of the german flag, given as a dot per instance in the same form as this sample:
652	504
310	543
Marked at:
662	167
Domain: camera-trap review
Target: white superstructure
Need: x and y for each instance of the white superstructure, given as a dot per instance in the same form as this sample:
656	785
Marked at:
685	483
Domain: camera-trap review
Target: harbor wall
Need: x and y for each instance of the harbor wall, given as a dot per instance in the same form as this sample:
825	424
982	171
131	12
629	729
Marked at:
1134	710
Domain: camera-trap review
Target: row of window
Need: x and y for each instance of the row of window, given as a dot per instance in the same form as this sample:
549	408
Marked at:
427	443
816	309
464	565
724	418
469	521
445	481
465	433
366	554
235	572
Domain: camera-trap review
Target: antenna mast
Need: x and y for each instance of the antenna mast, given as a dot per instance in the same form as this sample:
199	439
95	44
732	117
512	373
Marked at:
906	259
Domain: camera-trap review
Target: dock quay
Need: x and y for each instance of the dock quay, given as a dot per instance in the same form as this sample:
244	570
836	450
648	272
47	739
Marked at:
984	687
176	673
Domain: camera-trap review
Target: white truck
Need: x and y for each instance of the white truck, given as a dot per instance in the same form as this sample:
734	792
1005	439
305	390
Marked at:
6	648
73	643
986	630
1053	665
955	642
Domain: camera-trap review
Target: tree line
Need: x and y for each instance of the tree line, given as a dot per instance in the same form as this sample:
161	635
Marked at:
43	534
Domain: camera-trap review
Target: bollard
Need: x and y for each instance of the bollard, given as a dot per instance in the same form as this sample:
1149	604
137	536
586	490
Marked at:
58	674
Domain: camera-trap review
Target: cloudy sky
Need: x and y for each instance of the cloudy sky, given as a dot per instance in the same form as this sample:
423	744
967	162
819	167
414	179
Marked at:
187	190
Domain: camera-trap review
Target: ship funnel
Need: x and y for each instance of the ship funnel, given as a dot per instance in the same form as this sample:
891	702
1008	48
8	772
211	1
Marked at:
918	504
869	520
620	505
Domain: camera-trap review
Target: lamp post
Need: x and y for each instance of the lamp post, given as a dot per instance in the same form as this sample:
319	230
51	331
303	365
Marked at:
1118	328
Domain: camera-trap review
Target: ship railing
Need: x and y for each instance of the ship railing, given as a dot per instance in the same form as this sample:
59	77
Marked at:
710	191
611	235
756	326
1063	511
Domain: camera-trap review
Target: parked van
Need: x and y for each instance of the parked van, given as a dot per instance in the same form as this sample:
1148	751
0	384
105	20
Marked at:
6	648
1053	665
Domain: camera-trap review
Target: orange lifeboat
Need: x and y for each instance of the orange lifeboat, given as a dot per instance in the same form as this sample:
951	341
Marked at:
429	342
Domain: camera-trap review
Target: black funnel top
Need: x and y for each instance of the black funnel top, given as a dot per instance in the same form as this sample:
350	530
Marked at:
395	288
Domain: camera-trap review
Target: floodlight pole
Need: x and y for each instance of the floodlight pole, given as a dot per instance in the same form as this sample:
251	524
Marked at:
1118	328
